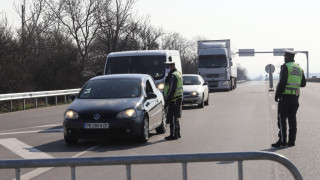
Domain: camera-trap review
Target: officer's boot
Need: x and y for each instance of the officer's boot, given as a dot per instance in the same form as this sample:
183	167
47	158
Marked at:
292	137
279	144
172	133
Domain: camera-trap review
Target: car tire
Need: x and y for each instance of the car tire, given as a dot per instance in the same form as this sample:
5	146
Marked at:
201	105
206	103
69	140
163	127
144	135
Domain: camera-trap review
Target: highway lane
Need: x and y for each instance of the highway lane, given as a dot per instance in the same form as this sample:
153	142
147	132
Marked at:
239	120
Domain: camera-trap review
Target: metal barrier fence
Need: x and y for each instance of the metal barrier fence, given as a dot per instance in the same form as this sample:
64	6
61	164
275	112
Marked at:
184	159
36	95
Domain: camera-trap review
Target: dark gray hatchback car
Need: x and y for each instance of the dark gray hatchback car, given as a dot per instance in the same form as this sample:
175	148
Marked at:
122	105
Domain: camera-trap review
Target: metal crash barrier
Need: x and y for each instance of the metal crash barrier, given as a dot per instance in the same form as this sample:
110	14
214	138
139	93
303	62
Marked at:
128	161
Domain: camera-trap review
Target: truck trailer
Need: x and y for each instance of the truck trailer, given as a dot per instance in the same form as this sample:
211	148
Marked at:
217	64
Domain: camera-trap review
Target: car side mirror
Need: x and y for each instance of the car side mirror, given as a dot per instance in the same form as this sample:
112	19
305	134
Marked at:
99	73
205	83
72	97
151	96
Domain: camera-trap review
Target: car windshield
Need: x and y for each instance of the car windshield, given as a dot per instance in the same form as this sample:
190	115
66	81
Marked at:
111	88
191	80
152	65
212	61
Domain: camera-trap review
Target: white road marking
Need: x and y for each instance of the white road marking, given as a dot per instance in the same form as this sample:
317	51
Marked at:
23	150
27	152
49	125
35	131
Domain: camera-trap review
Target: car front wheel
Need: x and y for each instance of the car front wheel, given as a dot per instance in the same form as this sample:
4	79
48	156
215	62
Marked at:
69	140
163	127
201	105
144	136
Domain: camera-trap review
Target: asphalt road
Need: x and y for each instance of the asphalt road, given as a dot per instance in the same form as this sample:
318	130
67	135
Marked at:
240	120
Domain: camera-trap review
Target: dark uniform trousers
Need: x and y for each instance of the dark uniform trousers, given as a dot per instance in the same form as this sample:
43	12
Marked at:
174	113
287	108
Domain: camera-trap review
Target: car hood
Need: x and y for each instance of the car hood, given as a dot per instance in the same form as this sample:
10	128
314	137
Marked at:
190	88
103	105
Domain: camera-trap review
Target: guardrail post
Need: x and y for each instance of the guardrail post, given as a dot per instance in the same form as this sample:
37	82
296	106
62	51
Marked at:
240	170
73	172
46	101
184	171
56	100
18	174
11	104
65	99
36	103
24	104
128	168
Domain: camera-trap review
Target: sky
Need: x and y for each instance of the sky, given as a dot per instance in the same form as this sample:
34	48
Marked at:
250	24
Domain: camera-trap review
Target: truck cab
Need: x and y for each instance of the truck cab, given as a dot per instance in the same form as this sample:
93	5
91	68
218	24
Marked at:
217	64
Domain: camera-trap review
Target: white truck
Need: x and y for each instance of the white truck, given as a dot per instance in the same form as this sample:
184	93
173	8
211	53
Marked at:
218	64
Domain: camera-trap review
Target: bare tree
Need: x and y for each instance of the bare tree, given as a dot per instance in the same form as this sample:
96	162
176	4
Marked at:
149	35
116	24
78	19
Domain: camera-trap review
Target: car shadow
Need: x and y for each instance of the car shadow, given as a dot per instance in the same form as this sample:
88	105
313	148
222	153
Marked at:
189	107
114	144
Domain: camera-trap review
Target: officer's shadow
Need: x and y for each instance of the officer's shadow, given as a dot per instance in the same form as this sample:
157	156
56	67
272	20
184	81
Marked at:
274	149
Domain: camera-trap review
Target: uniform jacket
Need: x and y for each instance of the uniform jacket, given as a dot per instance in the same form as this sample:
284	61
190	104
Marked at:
283	81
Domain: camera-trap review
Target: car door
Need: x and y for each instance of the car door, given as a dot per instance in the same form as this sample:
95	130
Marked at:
151	105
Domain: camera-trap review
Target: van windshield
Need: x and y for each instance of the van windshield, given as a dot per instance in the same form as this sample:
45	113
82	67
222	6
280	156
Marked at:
212	61
152	65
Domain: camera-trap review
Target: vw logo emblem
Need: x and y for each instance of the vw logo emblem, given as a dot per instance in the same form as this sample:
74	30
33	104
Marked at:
96	117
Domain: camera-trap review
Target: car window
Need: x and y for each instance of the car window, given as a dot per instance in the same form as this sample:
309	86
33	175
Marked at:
111	88
149	87
191	80
151	64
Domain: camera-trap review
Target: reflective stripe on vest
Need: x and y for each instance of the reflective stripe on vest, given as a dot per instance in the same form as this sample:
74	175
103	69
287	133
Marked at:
294	79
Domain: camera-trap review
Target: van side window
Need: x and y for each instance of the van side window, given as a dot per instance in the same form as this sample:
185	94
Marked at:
148	87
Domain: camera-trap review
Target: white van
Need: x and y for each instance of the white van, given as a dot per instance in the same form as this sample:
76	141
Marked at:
143	62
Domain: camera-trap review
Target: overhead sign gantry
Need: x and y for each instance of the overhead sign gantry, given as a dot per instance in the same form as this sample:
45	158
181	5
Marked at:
275	52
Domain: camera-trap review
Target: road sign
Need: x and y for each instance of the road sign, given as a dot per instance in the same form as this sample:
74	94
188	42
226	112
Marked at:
270	68
280	51
246	52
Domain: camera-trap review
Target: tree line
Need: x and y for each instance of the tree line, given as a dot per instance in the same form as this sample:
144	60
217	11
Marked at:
61	44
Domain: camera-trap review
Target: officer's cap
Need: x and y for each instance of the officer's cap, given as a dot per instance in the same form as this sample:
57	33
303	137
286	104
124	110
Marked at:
289	52
169	63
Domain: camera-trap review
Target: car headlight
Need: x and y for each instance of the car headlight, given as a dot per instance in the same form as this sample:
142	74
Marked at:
160	86
129	113
70	114
194	93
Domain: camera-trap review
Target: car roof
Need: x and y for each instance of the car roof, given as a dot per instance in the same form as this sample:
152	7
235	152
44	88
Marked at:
190	75
121	76
142	52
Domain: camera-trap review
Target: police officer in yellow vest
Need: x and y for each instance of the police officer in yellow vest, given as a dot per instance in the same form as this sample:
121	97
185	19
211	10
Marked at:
173	93
287	95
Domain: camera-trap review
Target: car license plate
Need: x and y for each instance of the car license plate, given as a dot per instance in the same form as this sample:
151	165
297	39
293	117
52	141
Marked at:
190	99
96	125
